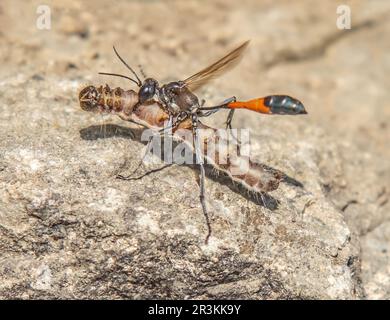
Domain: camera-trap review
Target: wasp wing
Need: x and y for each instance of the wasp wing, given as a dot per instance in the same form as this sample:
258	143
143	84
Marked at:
217	68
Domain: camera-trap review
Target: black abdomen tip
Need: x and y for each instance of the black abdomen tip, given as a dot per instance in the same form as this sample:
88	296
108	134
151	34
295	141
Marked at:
282	104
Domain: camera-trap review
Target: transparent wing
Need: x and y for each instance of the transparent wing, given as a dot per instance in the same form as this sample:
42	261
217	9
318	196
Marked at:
217	68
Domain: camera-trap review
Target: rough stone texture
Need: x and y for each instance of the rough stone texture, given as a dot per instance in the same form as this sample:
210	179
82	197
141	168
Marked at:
69	229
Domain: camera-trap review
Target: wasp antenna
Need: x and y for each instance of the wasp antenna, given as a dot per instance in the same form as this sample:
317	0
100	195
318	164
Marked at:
128	67
119	75
142	71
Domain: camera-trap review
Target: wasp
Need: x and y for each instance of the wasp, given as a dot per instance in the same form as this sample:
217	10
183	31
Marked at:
178	99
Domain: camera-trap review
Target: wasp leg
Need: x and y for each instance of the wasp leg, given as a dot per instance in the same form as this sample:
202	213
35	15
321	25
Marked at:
228	100
148	147
129	177
133	121
146	173
160	132
222	105
199	160
170	120
205	112
229	118
146	152
229	125
231	113
174	124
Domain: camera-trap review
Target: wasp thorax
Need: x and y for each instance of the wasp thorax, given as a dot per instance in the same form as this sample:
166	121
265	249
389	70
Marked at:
88	98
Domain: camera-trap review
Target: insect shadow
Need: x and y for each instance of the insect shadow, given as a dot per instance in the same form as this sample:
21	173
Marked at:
112	130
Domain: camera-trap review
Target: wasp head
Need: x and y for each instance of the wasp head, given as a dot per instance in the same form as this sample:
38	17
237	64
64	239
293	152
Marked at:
88	98
148	90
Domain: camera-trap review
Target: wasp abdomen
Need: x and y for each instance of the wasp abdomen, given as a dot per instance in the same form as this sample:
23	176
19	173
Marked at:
276	104
282	104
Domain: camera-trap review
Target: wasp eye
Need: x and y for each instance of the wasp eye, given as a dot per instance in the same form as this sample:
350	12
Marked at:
146	92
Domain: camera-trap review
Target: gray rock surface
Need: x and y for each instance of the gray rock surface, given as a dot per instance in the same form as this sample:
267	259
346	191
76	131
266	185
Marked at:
69	229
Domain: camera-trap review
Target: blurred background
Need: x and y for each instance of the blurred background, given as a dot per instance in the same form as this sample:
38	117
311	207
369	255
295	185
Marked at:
341	76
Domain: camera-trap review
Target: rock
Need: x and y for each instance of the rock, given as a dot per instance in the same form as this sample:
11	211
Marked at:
70	229
375	268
